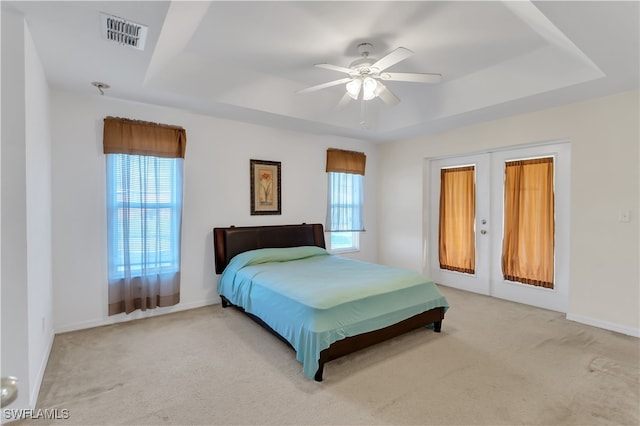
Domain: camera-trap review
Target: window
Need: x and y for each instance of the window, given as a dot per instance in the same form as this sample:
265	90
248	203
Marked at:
345	199
144	213
341	242
344	211
144	204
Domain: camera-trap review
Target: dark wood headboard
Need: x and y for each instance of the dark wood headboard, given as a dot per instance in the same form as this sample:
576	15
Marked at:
227	242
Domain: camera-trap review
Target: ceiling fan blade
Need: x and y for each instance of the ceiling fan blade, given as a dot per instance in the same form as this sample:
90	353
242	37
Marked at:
344	101
325	85
400	54
411	77
335	68
386	95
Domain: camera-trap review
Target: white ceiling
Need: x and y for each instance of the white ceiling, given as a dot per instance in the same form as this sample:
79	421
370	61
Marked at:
246	60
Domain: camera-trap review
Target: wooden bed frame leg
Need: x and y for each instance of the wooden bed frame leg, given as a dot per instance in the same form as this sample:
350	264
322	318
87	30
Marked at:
437	326
225	302
318	376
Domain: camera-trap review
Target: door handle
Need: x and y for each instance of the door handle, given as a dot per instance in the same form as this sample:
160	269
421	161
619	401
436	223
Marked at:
9	390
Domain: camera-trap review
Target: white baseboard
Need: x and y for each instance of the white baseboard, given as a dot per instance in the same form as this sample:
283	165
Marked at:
635	332
134	316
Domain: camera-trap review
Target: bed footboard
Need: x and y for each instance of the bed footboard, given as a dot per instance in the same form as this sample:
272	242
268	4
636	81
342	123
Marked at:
355	343
361	341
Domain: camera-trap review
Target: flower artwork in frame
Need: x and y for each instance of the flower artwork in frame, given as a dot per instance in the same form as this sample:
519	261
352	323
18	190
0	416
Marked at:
265	187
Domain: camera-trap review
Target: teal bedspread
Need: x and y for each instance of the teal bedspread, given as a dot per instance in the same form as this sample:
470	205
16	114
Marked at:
313	298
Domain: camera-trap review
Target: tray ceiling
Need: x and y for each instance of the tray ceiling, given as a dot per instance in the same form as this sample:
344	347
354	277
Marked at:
246	60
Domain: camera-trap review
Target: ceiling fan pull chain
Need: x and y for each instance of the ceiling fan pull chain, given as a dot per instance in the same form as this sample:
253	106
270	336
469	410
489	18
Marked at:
363	113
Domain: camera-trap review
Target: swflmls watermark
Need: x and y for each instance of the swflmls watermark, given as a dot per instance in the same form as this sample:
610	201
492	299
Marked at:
36	413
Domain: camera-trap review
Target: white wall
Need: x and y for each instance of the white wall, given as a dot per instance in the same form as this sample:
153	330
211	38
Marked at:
216	180
27	322
604	135
38	193
15	345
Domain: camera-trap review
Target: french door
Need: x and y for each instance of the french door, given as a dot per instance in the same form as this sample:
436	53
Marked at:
477	280
447	263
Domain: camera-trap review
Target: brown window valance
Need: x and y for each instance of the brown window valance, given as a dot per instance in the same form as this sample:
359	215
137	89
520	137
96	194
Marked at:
342	161
125	136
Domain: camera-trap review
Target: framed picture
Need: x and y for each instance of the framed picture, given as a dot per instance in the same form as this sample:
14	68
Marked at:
265	187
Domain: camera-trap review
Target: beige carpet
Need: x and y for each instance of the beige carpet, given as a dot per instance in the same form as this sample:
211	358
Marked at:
494	363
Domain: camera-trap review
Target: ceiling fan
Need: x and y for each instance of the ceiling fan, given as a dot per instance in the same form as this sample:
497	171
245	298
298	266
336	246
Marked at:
366	75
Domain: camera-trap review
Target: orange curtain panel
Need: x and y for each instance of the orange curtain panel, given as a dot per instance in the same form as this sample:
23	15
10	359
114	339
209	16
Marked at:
457	219
528	239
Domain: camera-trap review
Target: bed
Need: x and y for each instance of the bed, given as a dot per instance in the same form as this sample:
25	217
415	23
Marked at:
324	306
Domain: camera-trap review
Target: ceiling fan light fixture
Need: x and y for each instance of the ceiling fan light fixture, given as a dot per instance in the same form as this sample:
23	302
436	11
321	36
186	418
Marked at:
369	86
353	88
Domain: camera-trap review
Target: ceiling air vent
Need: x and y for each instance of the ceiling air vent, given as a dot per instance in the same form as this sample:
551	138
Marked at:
124	32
